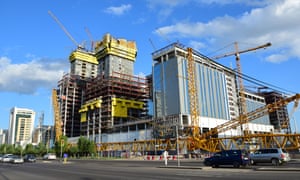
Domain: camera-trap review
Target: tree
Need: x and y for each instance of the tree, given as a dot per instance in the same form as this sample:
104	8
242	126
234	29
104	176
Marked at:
61	146
73	150
85	146
30	149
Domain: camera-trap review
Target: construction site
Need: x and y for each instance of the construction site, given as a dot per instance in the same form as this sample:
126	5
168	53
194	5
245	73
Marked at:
190	103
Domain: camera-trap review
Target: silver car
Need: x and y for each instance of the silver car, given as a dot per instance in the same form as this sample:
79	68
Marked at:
276	156
6	157
16	159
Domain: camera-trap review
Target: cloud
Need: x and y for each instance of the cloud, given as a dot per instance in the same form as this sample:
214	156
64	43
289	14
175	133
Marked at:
276	58
27	78
166	7
118	10
275	22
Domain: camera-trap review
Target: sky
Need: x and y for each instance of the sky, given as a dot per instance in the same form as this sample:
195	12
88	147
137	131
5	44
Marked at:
34	49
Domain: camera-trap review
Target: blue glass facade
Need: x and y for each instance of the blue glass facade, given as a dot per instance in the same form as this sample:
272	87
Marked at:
170	83
253	105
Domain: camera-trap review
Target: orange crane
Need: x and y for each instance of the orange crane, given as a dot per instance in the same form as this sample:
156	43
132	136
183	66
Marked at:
57	117
243	107
193	93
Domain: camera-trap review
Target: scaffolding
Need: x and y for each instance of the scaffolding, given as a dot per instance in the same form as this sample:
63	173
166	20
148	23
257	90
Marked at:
124	100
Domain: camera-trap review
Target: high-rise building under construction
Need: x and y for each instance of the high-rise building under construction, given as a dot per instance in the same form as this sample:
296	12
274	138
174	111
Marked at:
101	94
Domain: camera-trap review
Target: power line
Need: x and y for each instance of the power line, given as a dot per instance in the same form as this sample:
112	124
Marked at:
262	83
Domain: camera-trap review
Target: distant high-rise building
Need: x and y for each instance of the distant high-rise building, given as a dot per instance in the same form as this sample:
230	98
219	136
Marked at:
280	117
21	126
3	136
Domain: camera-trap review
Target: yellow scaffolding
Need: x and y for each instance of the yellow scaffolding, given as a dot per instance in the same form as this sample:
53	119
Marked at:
84	56
118	47
120	106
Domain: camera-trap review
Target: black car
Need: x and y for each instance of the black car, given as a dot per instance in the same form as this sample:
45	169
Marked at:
29	158
236	158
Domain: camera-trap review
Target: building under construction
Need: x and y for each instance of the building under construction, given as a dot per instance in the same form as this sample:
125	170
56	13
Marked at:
101	95
102	99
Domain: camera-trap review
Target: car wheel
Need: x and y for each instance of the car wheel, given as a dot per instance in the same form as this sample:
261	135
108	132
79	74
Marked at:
275	162
236	164
252	162
214	166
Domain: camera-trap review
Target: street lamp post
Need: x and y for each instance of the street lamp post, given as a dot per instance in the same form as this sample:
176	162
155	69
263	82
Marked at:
177	146
99	132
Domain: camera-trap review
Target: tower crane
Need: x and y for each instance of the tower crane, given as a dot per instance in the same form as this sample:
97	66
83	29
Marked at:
237	52
57	117
91	38
192	93
65	30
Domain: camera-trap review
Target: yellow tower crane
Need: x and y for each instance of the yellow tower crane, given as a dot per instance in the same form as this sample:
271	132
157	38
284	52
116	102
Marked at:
57	117
193	93
243	107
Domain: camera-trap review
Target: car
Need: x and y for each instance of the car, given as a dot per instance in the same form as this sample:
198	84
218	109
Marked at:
235	157
6	157
16	159
49	156
276	156
29	158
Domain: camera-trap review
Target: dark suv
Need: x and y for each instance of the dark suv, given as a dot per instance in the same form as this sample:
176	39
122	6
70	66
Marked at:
236	158
29	158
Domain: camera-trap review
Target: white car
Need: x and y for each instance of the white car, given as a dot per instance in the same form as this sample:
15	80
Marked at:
16	159
49	156
6	158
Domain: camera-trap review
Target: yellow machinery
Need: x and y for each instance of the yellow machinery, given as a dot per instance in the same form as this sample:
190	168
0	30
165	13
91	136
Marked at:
206	142
193	98
57	117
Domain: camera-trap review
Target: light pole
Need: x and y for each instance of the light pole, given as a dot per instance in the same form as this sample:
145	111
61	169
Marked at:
177	146
99	131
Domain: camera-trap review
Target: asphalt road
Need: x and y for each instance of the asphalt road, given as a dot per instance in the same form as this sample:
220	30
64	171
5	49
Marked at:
137	170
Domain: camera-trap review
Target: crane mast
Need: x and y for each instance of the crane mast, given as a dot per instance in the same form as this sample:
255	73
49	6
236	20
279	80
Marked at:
57	117
193	93
242	99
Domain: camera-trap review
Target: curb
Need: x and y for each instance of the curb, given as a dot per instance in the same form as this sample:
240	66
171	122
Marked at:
184	167
276	169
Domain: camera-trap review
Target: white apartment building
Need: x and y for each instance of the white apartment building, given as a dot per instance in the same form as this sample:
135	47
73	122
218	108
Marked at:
21	126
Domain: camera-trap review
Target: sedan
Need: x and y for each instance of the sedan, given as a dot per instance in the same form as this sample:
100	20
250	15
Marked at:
16	159
6	158
49	156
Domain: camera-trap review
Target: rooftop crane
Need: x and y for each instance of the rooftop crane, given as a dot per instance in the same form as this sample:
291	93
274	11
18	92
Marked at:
91	38
65	30
237	52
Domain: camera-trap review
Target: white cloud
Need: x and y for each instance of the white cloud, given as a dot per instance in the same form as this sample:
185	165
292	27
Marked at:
27	78
166	7
118	10
275	22
276	58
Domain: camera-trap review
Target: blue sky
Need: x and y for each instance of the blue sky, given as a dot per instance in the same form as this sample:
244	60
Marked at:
34	50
